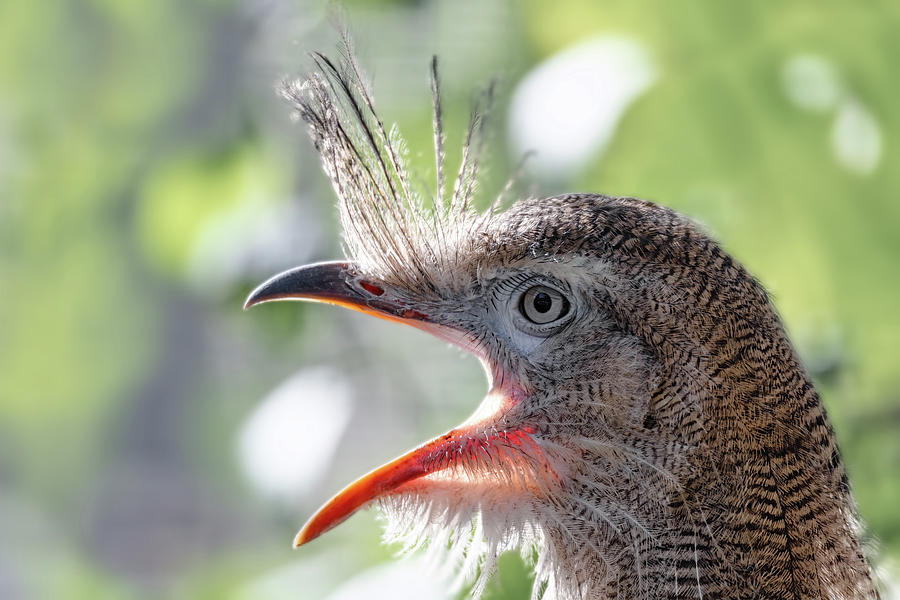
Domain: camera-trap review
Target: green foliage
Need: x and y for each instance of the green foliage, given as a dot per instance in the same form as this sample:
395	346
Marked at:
182	197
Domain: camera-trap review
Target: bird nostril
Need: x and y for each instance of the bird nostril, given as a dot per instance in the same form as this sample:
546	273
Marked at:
371	288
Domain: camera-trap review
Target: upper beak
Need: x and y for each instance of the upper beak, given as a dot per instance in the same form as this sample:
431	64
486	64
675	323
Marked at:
333	283
324	282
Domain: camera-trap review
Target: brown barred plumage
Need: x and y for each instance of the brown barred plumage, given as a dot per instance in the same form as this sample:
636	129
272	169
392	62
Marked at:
658	439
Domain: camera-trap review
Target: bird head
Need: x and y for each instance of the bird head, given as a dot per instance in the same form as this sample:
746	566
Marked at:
626	353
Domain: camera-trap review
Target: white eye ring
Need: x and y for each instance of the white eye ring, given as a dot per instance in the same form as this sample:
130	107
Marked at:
541	305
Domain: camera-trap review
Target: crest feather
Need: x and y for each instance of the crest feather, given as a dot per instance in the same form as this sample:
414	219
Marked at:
393	229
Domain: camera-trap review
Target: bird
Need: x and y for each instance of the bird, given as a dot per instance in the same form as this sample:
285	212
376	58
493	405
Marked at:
649	431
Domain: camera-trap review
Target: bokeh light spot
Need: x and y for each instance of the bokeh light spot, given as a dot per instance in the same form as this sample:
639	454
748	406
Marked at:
810	82
856	138
287	444
567	107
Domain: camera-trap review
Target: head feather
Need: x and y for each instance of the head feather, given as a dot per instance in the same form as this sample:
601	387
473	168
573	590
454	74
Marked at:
393	229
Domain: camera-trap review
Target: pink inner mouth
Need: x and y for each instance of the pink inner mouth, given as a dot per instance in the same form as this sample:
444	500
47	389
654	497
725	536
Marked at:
460	455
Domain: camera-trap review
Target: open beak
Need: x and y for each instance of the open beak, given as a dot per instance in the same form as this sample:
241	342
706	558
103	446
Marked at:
333	283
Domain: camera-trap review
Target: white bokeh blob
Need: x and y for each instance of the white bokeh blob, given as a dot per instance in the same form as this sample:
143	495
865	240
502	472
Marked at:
810	82
856	138
567	108
288	442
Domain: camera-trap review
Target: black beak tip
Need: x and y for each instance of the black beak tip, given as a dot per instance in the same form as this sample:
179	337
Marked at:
275	288
257	296
318	282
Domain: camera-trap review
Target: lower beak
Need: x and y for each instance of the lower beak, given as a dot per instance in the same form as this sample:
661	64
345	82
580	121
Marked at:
442	453
428	458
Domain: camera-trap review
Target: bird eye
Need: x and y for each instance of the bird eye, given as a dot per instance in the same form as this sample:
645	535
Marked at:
542	305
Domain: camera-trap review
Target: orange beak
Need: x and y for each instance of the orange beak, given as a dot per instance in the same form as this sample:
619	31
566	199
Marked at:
330	283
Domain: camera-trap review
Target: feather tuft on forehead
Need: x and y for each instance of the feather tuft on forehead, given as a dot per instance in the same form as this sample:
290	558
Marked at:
393	228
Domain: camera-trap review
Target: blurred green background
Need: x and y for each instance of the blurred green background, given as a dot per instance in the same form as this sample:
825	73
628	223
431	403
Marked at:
156	441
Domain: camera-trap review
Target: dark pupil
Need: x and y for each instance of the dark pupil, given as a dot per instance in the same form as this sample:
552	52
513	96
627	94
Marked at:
542	302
